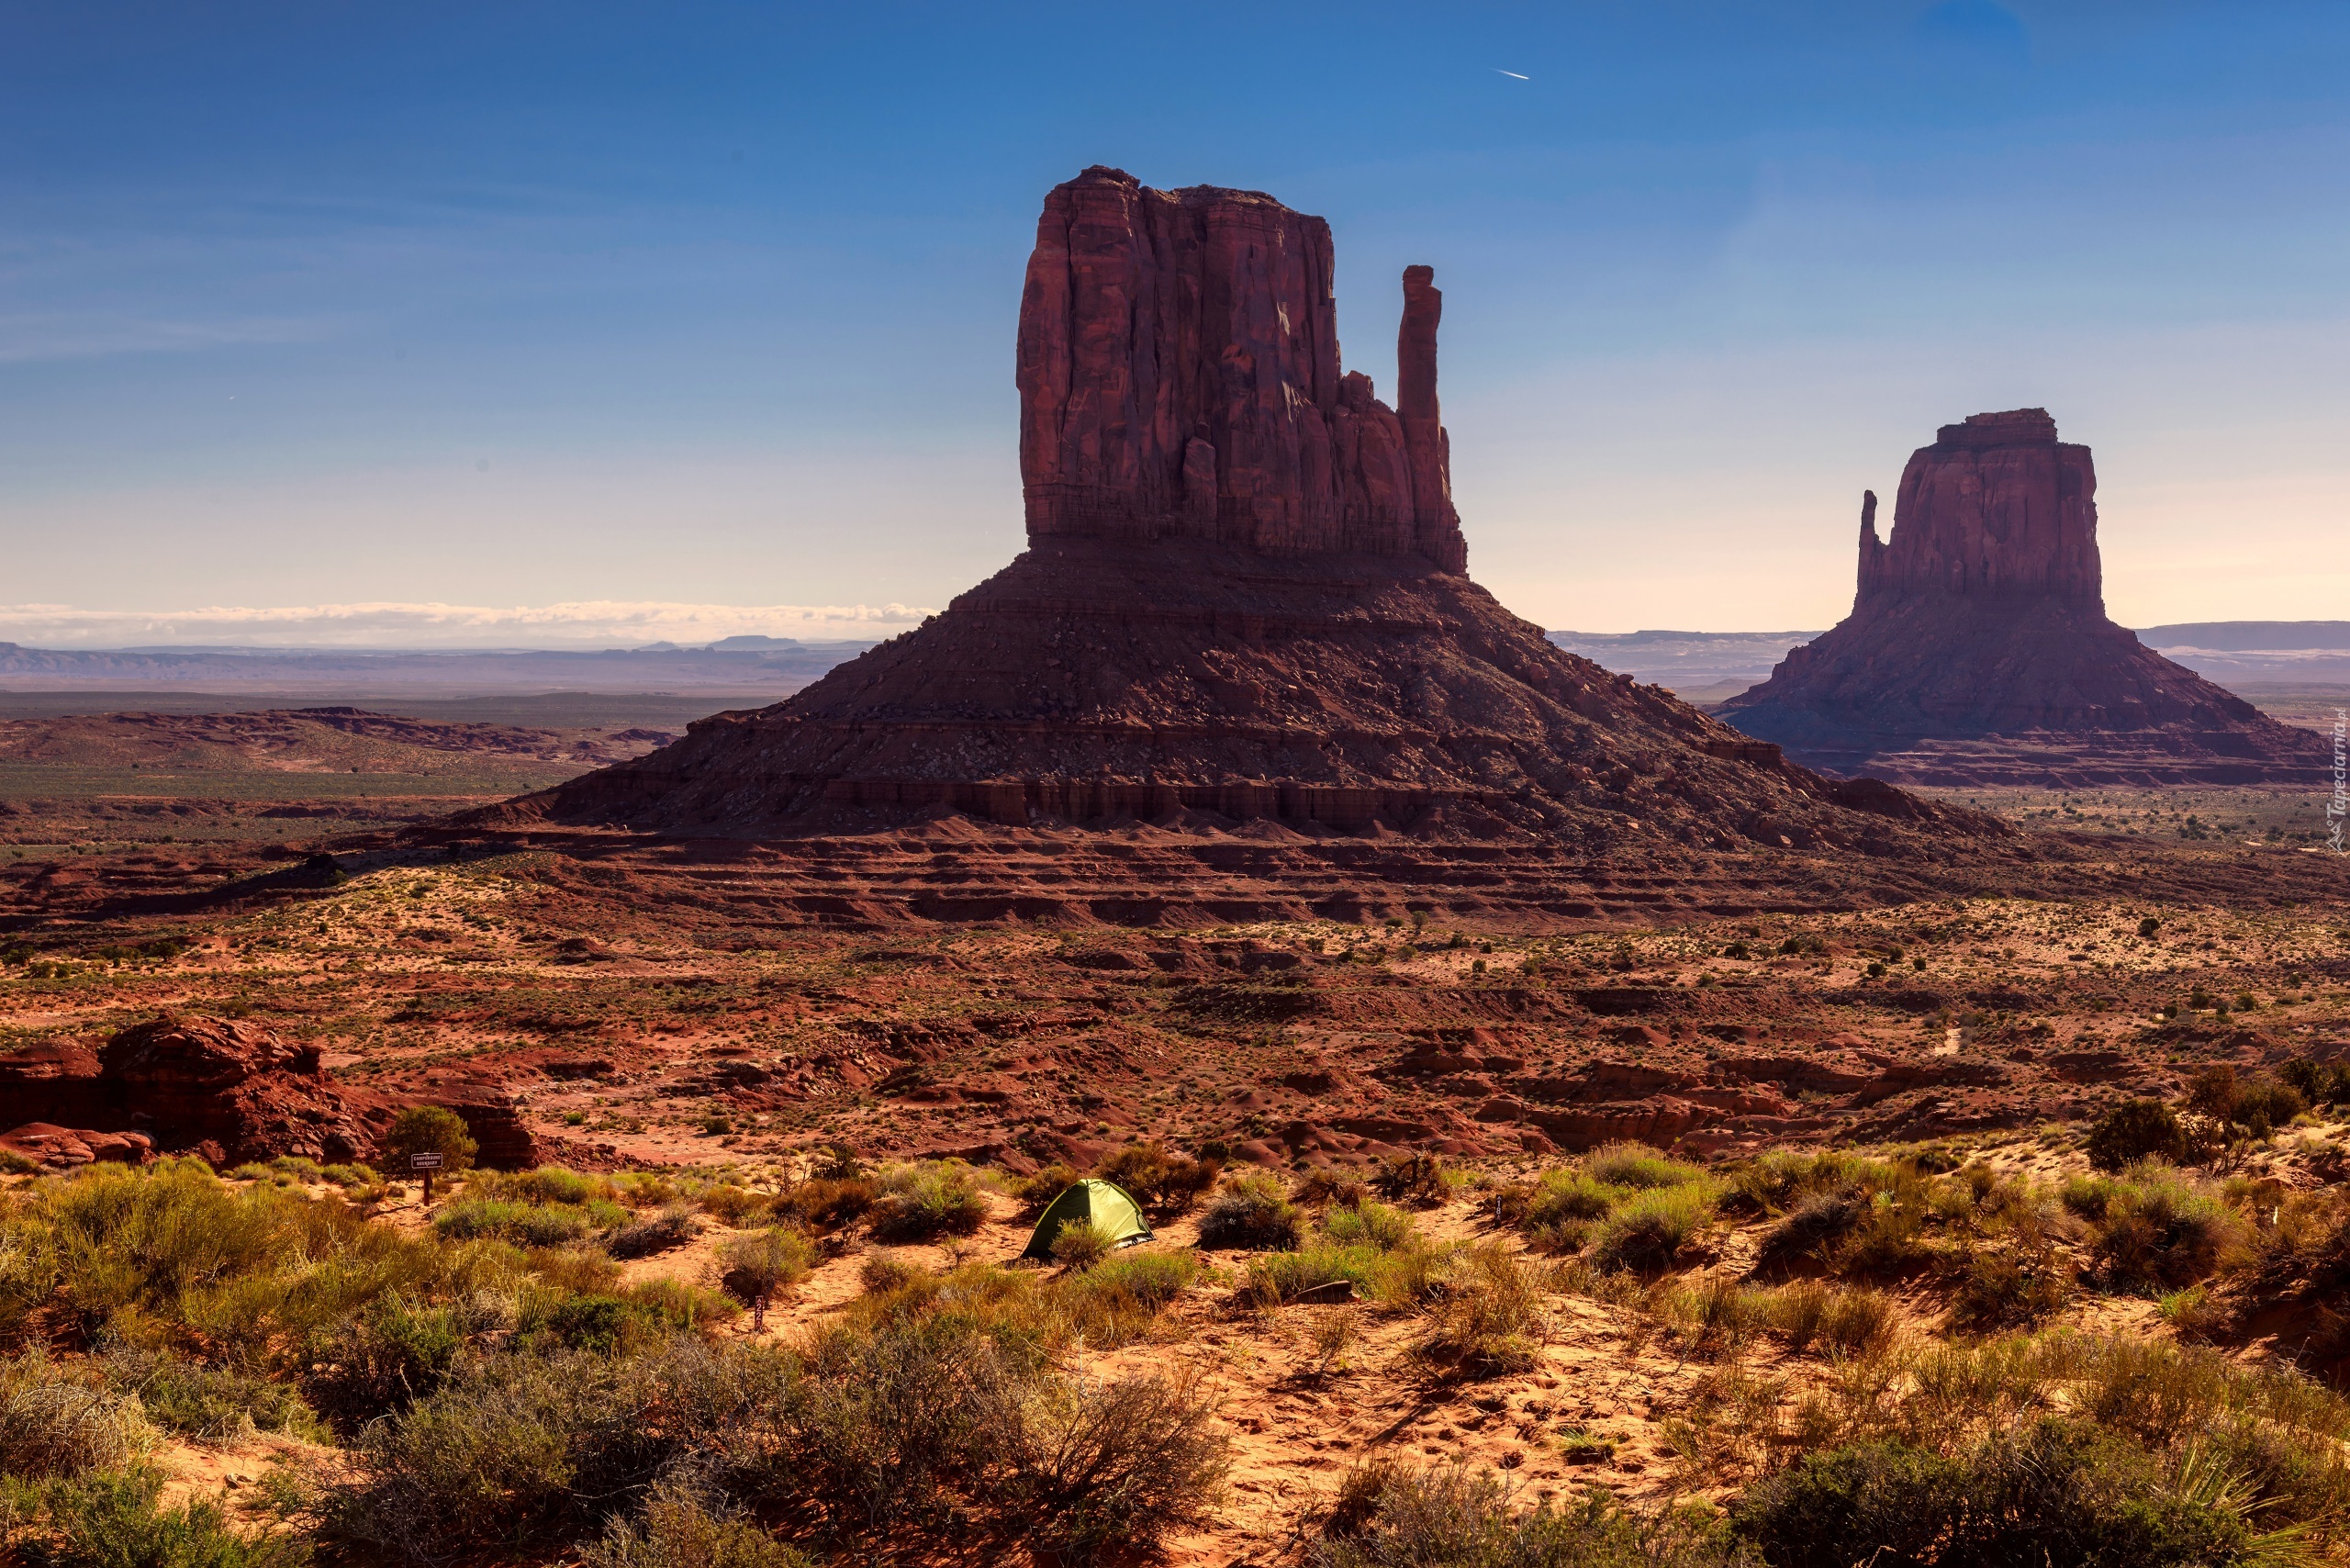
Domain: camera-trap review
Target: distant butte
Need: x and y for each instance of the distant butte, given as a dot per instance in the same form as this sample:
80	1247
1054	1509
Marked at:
1978	650
1243	608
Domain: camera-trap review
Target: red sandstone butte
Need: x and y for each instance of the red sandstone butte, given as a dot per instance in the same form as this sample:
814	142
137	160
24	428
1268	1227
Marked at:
1978	650
1179	378
1244	599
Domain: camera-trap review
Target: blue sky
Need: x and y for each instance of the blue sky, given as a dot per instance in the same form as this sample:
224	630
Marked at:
701	305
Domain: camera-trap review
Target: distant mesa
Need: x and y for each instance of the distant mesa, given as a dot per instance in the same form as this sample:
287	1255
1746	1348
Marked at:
1242	600
1978	650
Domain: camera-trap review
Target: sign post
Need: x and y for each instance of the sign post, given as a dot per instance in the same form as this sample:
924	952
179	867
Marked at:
427	1164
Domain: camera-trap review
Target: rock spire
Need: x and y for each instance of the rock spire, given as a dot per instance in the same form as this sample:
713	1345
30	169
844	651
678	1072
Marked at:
1179	378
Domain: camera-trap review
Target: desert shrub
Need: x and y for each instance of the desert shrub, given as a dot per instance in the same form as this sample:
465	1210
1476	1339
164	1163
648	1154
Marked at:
1035	1192
2136	1130
1250	1211
1082	1243
886	1417
1648	1228
519	1451
428	1129
546	1184
208	1403
2319	1082
1157	1177
1488	1319
1322	1185
117	1520
755	1268
926	1200
383	1358
55	1421
1116	1464
1372	1225
1456	1518
1416	1179
1154	1279
671	1229
1564	1205
523	1224
2056	1492
826	1202
1637	1165
2011	1286
1410	1273
1816	1228
1846	1321
2156	1228
734	1206
683	1526
882	1273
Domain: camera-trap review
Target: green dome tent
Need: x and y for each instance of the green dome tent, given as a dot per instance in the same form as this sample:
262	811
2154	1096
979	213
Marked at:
1103	1203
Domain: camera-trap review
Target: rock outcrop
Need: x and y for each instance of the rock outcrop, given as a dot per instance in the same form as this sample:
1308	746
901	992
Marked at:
1978	650
1243	600
229	1091
1179	378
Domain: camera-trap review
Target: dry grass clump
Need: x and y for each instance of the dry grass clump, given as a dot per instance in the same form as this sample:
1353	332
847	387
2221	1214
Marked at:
927	1199
824	1203
1418	1179
883	1271
1386	1517
1487	1317
683	1526
59	1422
1322	1185
674	1227
1251	1211
1637	1165
2156	1226
1649	1229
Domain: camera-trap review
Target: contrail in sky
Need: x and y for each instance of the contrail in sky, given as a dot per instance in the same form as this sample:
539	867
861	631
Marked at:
1519	75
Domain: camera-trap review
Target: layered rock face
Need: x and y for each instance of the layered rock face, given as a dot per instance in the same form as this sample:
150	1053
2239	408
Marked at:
1179	378
1244	599
1978	650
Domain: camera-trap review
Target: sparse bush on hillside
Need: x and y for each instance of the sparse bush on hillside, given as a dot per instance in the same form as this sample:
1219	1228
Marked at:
673	1227
926	1200
2136	1130
117	1520
1416	1179
1251	1211
1035	1192
1637	1165
1156	1178
825	1204
1082	1243
1488	1319
1649	1229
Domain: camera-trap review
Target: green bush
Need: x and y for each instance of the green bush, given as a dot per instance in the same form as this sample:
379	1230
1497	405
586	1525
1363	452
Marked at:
1637	1165
1251	1211
428	1129
1488	1319
1082	1243
2055	1492
523	1224
924	1201
2136	1130
1649	1229
1372	1224
671	1229
116	1521
2155	1226
684	1528
208	1403
1456	1518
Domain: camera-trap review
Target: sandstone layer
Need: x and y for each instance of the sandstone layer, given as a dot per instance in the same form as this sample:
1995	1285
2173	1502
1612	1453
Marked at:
1978	650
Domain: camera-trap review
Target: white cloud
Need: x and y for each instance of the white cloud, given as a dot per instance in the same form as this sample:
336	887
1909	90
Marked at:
597	623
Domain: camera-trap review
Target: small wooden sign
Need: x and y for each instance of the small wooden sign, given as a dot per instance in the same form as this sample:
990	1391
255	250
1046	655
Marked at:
424	1162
